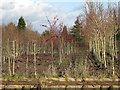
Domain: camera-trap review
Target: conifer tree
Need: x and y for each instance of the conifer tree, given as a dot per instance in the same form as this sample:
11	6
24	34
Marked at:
76	31
21	24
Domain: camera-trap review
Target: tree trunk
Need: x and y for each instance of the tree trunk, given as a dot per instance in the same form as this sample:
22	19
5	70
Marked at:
9	66
27	59
60	51
35	72
52	48
13	57
9	57
113	55
104	50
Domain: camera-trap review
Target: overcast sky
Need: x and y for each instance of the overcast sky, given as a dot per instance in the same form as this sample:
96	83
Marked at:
35	11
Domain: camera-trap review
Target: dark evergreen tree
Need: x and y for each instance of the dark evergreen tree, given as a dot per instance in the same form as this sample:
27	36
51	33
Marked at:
76	31
21	24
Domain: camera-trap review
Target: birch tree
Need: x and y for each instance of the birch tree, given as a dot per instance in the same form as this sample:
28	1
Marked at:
103	29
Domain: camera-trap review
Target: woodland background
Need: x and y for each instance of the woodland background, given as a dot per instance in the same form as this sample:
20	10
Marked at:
90	48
